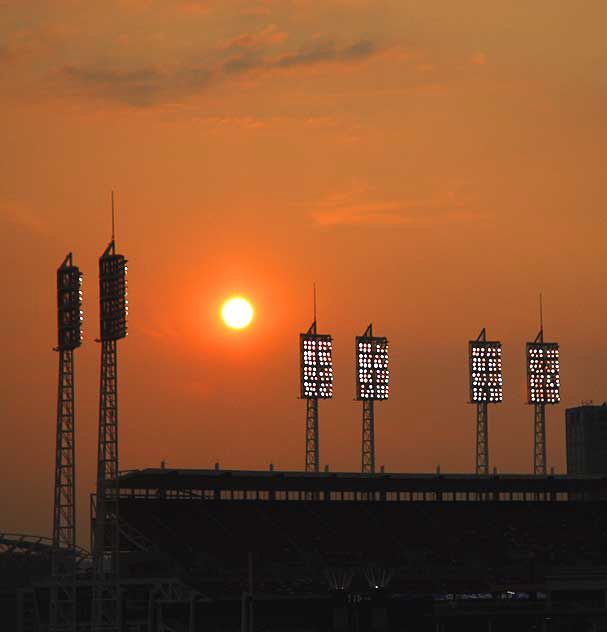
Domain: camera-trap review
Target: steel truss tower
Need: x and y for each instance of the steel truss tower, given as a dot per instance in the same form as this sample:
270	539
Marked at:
486	387
539	419
316	359
62	615
106	540
106	543
368	455
543	387
312	439
539	443
482	438
372	383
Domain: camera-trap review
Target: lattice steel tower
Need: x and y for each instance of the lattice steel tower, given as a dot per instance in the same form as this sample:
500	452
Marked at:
486	387
62	616
316	361
543	387
372	382
106	537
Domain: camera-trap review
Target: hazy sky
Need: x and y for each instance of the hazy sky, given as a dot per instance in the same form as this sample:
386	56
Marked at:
432	166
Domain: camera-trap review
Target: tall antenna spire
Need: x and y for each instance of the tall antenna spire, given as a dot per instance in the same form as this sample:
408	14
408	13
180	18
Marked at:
113	232
541	315
314	292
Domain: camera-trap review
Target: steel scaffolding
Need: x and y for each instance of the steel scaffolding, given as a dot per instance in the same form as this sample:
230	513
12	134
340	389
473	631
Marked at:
539	443
106	541
372	383
486	387
106	610
368	443
482	439
316	382
312	440
63	588
62	605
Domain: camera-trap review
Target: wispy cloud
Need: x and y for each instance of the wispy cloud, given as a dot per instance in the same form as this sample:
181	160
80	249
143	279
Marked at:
5	53
245	55
356	206
269	36
137	87
22	217
324	53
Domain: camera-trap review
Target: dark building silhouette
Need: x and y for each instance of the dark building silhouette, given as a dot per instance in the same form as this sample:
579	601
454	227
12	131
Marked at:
586	435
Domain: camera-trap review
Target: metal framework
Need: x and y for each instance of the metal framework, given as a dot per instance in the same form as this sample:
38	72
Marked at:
368	455
539	416
106	611
543	387
485	388
106	542
62	614
199	486
316	383
482	438
372	383
312	438
539	442
63	589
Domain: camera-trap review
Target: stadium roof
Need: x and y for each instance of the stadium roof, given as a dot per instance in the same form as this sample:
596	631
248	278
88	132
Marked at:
216	479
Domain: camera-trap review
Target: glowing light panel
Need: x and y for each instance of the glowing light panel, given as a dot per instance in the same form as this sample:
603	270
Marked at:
69	304
316	354
372	372
486	380
113	296
543	373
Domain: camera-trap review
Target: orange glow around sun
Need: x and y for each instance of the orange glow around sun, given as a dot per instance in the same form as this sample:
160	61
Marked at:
237	313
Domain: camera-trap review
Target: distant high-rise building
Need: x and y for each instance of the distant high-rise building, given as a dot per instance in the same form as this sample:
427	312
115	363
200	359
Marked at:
586	428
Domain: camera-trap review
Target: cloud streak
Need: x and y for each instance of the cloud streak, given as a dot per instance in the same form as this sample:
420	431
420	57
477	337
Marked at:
353	208
147	86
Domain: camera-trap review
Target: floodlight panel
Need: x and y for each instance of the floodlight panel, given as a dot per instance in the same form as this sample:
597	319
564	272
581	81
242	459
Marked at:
113	297
316	358
372	370
543	373
69	307
486	381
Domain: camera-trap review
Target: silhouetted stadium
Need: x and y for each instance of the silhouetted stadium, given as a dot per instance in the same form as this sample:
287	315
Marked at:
396	548
225	550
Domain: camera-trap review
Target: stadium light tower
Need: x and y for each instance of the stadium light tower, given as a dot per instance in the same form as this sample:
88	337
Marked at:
106	546
372	383
63	587
316	361
543	387
486	384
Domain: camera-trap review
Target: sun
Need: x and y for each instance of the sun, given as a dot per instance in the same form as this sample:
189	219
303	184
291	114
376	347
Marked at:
237	312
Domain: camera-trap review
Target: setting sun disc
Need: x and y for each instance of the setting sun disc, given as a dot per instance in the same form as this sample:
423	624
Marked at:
237	313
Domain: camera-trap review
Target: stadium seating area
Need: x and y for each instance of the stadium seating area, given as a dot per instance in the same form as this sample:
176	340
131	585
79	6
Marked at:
468	543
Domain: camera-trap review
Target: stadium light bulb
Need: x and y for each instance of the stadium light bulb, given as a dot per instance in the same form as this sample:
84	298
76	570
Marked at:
316	359
485	361
543	373
113	293
372	375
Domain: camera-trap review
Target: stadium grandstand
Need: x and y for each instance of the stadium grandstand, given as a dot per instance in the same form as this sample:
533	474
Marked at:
437	549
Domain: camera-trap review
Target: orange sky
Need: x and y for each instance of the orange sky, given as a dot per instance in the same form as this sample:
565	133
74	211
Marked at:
431	165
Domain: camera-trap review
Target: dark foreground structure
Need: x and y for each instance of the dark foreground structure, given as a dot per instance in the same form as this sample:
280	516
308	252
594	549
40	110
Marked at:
586	439
217	550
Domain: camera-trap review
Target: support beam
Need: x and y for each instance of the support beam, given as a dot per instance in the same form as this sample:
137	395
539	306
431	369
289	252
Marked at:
62	603
106	545
482	439
539	443
368	437
312	440
63	587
